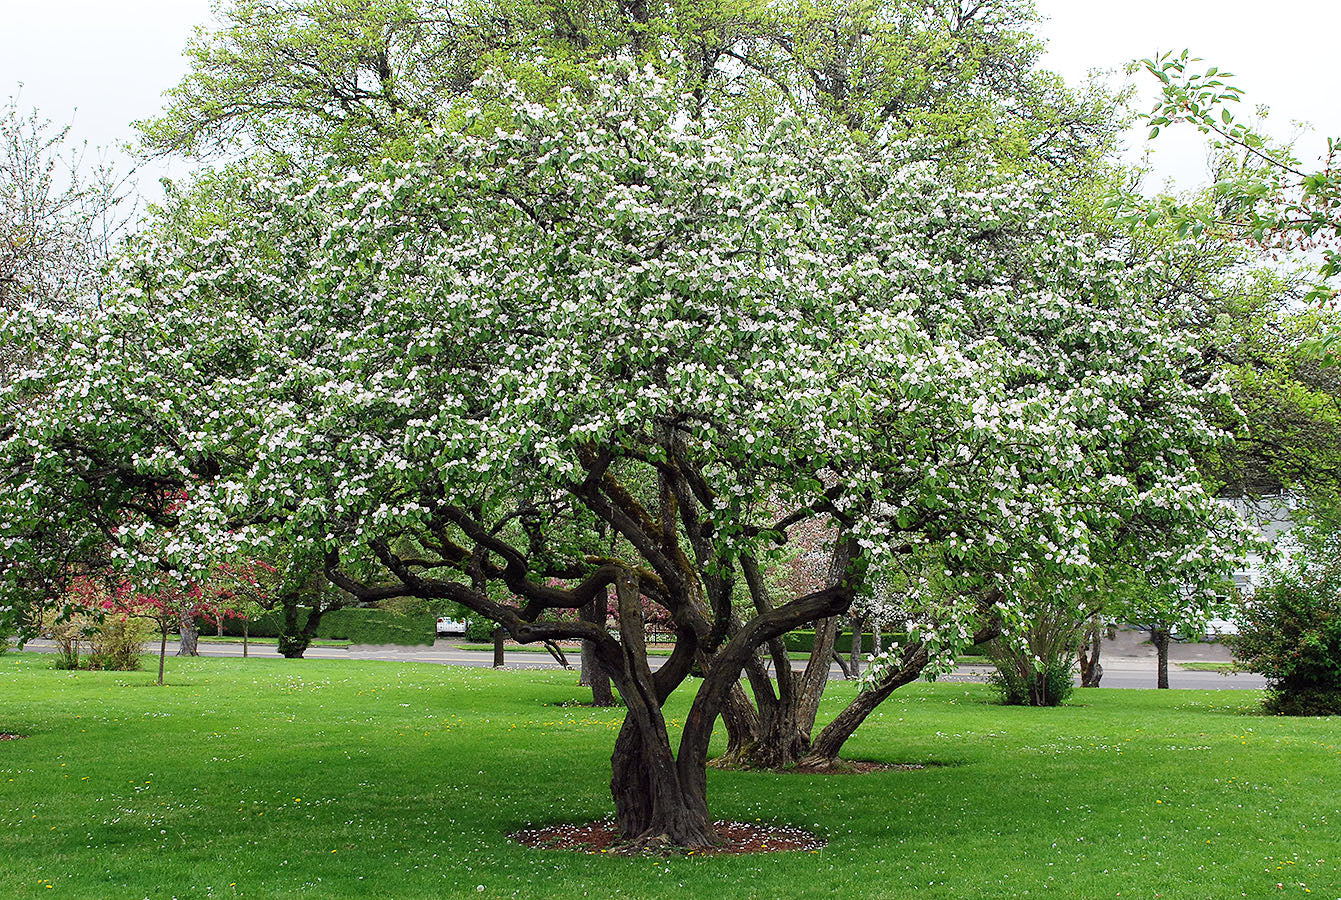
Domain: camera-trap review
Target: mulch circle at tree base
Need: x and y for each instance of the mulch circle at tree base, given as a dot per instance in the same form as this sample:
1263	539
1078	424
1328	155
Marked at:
735	838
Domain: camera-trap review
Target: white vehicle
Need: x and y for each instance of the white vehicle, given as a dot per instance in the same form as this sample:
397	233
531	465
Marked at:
451	626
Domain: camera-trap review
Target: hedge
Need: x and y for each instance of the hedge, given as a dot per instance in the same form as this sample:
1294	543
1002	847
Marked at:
362	626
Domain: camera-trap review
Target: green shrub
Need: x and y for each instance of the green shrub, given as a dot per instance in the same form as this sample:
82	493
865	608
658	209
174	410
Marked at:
1024	679
358	624
116	645
68	635
1290	632
480	630
417	606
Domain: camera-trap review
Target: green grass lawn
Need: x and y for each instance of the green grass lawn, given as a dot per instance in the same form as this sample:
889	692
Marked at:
275	778
1207	666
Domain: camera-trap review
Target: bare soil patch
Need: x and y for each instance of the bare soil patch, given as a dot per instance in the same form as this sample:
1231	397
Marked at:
735	838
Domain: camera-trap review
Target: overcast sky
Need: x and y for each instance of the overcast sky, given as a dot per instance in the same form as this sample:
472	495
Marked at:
1281	53
101	65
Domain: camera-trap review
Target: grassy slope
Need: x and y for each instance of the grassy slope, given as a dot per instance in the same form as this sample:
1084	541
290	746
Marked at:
275	778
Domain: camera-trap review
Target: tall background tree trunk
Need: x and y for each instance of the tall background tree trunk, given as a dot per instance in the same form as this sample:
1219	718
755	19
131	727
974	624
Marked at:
854	652
162	647
189	636
1160	638
1091	670
593	673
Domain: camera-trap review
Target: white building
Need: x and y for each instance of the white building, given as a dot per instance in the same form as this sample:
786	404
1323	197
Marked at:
1273	517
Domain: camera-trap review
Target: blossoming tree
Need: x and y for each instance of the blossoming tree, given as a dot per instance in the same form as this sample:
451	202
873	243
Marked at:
550	324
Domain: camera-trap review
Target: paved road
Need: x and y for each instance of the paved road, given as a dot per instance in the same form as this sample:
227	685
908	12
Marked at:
1119	672
1135	672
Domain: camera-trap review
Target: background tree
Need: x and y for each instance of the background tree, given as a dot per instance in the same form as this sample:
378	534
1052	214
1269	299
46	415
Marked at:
1263	194
299	80
59	219
246	591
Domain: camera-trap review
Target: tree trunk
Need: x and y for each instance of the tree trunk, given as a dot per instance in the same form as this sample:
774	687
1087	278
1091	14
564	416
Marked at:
293	646
652	808
786	719
293	640
499	662
741	721
189	636
781	739
601	692
1091	671
659	803
1038	688
246	627
556	652
854	652
825	749
786	726
593	673
1160	638
162	648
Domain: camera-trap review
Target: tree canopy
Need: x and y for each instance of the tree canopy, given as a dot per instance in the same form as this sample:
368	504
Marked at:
556	321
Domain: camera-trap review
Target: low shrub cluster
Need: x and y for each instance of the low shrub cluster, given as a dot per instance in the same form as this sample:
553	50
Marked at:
116	644
113	643
1024	681
1290	632
479	630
